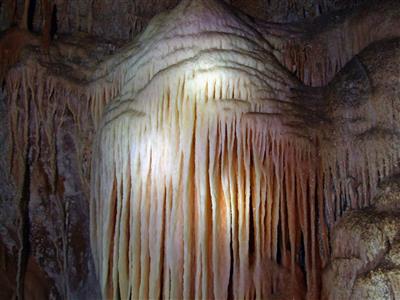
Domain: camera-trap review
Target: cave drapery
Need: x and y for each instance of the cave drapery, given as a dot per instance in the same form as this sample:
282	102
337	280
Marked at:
217	170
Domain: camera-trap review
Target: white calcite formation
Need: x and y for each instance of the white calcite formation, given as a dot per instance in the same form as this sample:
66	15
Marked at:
195	169
217	174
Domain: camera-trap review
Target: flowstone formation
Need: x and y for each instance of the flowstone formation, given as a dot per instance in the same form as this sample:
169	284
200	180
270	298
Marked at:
216	172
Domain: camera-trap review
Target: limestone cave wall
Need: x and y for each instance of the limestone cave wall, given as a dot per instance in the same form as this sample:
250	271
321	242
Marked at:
63	68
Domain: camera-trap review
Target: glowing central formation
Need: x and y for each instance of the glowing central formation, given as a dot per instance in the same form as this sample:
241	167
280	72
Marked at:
208	180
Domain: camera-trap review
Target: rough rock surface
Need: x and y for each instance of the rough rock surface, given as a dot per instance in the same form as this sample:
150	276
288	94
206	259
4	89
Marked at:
123	19
365	260
50	205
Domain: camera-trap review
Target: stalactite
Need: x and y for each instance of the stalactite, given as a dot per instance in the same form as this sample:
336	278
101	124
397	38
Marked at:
180	146
315	52
37	104
222	167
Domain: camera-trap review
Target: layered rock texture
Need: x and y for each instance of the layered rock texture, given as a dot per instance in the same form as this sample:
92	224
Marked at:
215	151
366	250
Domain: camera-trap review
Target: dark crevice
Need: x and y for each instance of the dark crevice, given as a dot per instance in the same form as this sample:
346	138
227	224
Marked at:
113	226
230	284
53	22
279	244
31	13
252	247
302	255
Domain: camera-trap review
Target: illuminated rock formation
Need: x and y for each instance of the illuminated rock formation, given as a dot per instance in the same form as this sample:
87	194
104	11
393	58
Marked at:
195	166
215	164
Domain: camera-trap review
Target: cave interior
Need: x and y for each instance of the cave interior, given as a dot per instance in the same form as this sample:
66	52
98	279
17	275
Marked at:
199	149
